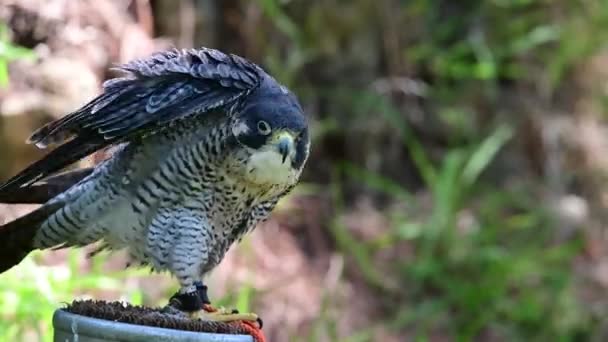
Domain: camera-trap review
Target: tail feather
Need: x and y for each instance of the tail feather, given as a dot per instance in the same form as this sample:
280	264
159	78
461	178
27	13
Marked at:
56	160
41	192
17	237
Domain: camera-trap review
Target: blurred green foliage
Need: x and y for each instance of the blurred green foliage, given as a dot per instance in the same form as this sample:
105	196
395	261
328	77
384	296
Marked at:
503	276
9	52
467	52
30	293
500	274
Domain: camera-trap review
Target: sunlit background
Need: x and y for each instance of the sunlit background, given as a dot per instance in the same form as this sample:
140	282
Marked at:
457	188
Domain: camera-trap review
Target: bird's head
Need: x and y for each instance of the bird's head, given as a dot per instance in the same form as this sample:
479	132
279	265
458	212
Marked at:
272	126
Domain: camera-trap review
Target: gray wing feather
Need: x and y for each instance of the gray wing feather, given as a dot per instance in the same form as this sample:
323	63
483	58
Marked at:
164	87
42	192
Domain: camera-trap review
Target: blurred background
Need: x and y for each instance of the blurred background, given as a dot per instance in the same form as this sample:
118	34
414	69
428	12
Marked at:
458	183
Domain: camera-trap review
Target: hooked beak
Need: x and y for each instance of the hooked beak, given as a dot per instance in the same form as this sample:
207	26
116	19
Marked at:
285	145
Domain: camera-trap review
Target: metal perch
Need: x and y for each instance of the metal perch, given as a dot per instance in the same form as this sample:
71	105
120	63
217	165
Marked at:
98	321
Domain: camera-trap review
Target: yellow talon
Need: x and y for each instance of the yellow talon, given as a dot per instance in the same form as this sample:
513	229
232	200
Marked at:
223	315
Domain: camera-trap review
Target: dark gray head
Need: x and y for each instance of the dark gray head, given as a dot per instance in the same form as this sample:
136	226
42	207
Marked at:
270	118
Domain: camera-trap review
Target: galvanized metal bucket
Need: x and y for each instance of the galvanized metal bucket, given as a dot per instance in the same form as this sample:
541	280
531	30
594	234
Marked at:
76	328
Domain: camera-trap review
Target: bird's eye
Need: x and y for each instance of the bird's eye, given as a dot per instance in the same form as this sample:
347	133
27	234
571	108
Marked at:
264	127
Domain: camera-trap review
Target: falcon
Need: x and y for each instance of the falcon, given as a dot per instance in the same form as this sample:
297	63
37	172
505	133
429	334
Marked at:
205	144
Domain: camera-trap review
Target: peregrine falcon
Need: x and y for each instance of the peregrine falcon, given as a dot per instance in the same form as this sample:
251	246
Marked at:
205	143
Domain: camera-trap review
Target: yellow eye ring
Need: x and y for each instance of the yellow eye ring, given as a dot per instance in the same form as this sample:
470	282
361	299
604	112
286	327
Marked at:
264	127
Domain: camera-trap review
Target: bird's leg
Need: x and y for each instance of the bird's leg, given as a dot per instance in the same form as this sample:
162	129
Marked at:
186	300
201	289
194	301
186	266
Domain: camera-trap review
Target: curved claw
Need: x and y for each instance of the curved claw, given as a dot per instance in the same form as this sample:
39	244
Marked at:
196	306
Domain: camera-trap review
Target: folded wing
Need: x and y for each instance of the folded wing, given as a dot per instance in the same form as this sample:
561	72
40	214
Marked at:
157	90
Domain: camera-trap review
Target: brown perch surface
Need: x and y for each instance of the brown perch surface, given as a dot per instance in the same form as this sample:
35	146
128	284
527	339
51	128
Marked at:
153	317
